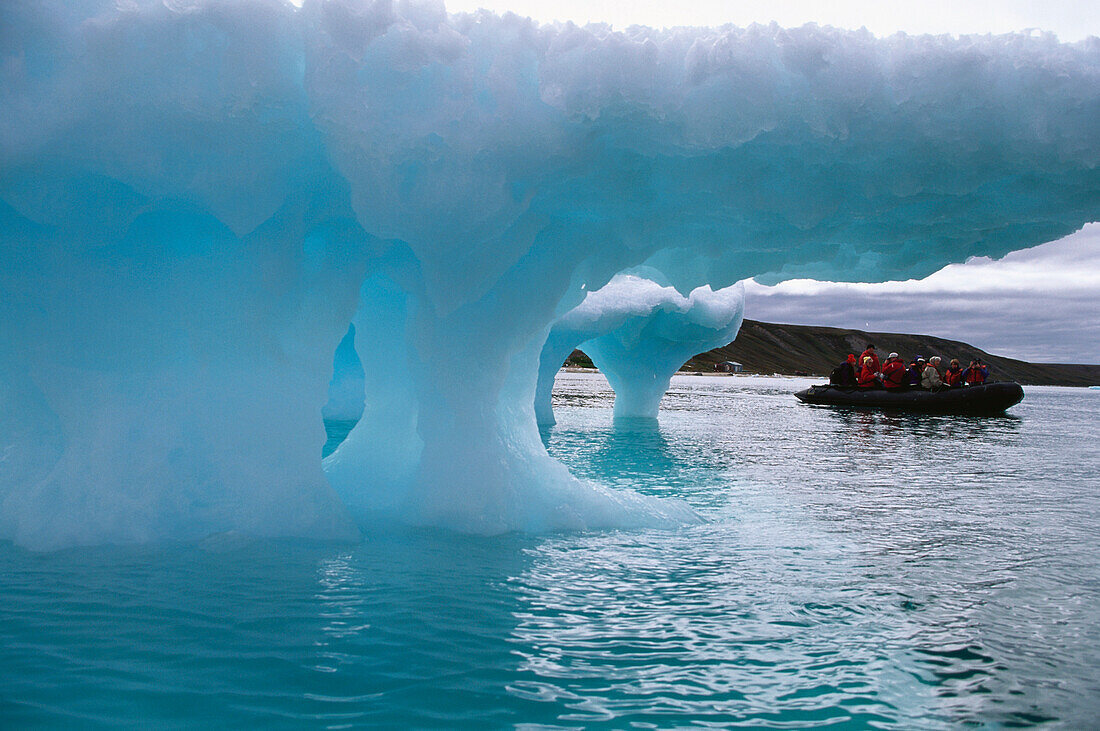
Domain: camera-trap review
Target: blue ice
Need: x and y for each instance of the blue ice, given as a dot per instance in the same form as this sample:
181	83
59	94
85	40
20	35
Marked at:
638	333
197	198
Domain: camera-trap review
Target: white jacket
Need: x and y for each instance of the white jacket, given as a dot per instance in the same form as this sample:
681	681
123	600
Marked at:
930	379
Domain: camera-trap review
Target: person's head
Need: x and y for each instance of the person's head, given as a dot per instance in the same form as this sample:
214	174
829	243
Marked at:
934	360
867	360
870	346
851	357
920	360
955	363
891	356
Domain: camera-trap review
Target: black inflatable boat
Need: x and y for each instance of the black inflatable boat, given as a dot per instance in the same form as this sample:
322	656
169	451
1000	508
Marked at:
989	398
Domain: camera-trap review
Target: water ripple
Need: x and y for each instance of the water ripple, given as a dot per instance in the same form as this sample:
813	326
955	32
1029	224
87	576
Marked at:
857	570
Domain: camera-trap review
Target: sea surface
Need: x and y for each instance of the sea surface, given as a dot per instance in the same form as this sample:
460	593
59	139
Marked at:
855	570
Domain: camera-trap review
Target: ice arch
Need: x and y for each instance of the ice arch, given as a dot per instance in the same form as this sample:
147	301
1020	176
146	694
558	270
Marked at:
193	194
638	333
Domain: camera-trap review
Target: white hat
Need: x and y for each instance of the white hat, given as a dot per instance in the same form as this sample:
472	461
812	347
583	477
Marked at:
892	355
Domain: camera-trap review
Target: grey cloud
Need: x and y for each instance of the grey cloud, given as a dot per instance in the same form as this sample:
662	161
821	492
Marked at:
1041	304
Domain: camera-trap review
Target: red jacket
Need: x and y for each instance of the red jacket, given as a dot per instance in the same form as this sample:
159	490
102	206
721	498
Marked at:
894	374
874	359
953	378
974	376
866	377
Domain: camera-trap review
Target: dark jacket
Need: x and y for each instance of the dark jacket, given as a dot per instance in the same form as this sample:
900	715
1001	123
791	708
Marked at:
843	375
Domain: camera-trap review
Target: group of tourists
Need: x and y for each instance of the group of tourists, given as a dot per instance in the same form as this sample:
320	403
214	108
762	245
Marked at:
893	373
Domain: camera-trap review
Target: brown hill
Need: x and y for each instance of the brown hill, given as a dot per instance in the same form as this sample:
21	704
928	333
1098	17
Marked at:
763	347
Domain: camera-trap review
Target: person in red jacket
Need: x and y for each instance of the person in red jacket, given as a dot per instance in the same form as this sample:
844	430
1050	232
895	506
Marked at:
894	374
870	352
953	376
868	376
976	374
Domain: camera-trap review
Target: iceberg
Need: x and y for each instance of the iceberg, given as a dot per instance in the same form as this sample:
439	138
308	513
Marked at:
638	334
198	197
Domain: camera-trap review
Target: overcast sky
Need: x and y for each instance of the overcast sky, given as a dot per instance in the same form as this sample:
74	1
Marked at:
1042	304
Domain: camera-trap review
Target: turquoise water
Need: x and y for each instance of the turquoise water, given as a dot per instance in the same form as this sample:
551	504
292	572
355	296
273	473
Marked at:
856	570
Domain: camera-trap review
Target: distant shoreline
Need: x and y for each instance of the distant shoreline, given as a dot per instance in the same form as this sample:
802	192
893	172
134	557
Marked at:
765	348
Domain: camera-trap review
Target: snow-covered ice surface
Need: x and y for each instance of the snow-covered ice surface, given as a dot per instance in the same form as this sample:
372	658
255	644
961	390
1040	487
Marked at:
198	197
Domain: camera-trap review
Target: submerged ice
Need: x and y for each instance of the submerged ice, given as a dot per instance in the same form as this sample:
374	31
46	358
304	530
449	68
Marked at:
197	198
